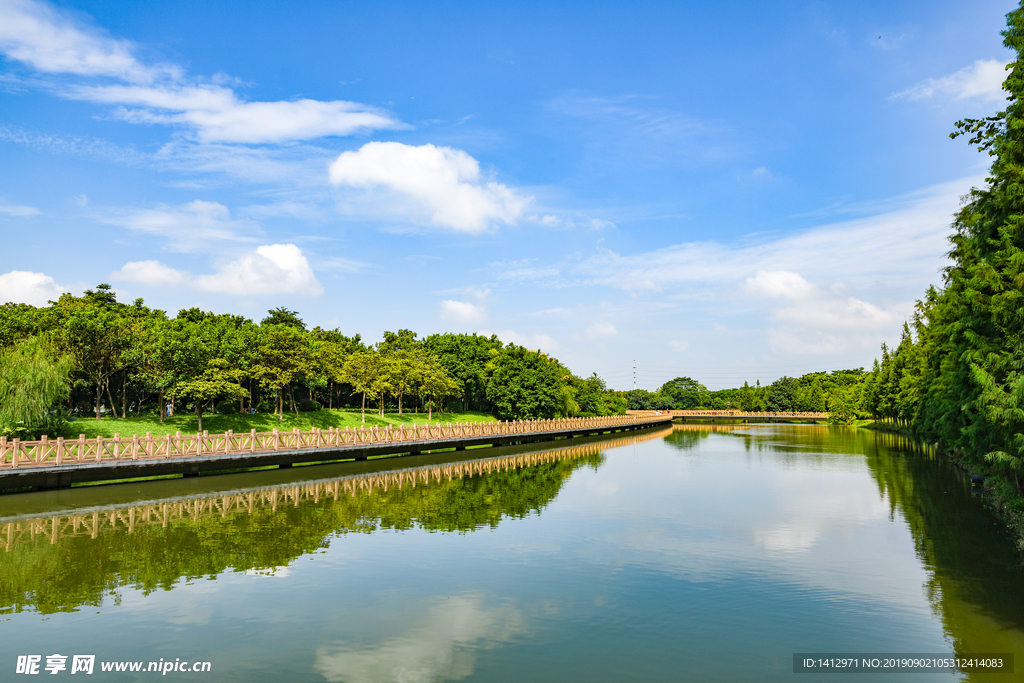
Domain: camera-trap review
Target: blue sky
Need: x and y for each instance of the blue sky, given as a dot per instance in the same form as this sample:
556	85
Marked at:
728	191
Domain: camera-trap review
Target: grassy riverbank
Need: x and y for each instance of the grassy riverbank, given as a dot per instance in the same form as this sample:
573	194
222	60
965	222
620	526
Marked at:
261	422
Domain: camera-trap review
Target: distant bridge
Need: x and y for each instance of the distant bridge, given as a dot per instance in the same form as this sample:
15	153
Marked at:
733	415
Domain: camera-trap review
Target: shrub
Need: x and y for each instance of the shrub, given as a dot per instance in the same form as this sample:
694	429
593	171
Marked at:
227	408
266	407
308	406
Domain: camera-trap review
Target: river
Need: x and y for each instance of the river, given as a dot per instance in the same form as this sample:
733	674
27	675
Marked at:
692	553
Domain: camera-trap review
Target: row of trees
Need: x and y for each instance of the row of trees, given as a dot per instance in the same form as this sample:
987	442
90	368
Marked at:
838	392
957	375
93	354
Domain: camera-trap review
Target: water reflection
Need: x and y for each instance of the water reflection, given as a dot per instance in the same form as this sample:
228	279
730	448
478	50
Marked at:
440	646
973	568
652	558
63	561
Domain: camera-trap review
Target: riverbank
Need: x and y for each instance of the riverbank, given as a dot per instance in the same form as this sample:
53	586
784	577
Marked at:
261	422
999	494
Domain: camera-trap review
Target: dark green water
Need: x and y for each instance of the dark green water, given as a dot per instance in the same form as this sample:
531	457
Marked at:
694	554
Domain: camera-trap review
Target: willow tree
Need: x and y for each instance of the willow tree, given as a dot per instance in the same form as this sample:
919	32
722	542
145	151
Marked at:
34	376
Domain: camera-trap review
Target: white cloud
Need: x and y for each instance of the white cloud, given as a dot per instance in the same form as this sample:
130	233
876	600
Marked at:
902	248
601	330
34	33
441	647
680	346
779	283
152	273
537	342
836	290
18	211
442	182
819	320
463	312
24	287
983	79
218	115
196	226
270	269
39	36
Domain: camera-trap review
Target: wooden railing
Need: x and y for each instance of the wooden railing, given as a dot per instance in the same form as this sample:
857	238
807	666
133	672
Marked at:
128	518
729	413
60	451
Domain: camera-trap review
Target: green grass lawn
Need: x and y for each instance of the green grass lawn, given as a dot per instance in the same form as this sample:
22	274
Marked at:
261	422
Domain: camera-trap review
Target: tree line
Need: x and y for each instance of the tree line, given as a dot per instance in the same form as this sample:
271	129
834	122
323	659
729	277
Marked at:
838	392
94	355
957	375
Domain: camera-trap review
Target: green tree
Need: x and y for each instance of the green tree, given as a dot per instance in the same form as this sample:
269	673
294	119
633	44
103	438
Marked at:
524	384
282	356
218	380
34	375
363	371
282	316
685	393
94	332
434	383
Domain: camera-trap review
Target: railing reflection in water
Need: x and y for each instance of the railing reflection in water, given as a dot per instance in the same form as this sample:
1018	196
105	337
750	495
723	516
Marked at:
163	513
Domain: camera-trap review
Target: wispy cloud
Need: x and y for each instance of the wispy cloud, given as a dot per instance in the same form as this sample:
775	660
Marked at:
14	210
38	35
193	227
73	145
901	248
982	80
49	42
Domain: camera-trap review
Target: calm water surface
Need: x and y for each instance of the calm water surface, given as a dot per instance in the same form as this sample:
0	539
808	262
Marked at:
694	553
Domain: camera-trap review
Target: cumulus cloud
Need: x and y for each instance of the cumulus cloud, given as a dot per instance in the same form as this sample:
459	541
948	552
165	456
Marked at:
46	40
601	330
780	283
270	269
18	211
463	312
983	80
443	183
25	287
195	226
152	273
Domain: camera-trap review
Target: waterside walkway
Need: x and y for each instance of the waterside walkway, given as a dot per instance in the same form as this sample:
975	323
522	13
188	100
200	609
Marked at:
59	463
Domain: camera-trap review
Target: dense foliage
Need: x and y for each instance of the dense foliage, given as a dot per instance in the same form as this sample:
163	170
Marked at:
92	354
957	375
839	392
